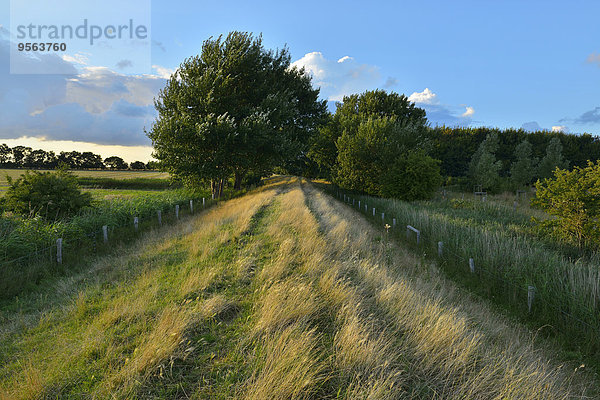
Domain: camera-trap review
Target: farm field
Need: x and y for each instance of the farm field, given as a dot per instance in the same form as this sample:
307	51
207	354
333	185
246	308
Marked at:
284	293
15	173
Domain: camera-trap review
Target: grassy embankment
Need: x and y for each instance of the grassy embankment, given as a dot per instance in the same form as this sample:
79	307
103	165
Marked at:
508	259
284	293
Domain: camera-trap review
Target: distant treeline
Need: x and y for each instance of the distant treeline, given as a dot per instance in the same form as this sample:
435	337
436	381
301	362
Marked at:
455	147
26	157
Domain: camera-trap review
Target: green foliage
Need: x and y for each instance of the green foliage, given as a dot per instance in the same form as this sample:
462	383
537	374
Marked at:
354	110
235	108
378	159
522	169
138	165
573	199
412	176
115	162
552	160
362	155
381	145
484	168
49	195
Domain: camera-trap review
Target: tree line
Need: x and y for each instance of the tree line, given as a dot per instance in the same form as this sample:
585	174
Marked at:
369	146
238	112
26	157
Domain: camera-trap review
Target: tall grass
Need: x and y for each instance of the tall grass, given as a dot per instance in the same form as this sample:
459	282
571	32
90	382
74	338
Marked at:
122	326
457	346
28	245
507	261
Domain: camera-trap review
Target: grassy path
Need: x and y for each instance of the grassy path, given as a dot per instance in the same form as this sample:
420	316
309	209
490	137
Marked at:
282	294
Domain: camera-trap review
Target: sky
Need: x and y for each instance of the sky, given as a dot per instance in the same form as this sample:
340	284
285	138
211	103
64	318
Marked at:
507	64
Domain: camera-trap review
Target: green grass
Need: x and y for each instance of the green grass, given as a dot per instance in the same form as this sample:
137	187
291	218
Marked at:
152	180
28	245
15	173
280	294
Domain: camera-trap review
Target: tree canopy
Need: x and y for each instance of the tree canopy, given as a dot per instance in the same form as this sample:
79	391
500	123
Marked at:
234	108
377	143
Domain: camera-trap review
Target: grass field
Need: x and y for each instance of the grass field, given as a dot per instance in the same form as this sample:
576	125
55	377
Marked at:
284	293
15	173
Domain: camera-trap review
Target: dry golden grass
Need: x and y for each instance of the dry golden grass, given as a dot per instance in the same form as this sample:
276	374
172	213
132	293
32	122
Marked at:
139	324
336	311
291	370
457	344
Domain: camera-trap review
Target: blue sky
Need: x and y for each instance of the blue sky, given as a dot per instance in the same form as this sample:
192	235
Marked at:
475	63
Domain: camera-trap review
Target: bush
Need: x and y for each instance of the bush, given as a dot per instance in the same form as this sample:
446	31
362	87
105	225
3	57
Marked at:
413	176
573	198
50	195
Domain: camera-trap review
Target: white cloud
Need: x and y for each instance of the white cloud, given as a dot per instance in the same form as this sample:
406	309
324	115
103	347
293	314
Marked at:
469	112
163	72
560	128
424	97
441	114
339	78
77	58
92	104
345	58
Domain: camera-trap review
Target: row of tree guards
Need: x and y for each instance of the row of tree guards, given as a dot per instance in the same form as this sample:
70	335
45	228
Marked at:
410	230
136	222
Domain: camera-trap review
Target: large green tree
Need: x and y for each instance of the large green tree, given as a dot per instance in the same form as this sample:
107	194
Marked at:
382	147
235	108
356	109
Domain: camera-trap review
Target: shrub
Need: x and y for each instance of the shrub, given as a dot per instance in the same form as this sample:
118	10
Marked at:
413	176
51	195
573	198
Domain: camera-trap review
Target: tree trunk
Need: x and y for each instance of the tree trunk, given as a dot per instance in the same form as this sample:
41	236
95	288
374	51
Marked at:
221	184
237	184
213	188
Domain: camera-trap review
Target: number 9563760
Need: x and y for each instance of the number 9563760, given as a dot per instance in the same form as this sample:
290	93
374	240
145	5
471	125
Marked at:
42	46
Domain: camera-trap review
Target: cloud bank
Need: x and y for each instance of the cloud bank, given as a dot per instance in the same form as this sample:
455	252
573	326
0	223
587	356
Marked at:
91	104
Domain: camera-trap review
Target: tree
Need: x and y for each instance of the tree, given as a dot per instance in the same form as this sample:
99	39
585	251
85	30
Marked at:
573	199
51	195
152	165
553	159
138	165
89	160
115	162
522	169
383	139
484	168
412	176
19	153
234	108
356	109
5	154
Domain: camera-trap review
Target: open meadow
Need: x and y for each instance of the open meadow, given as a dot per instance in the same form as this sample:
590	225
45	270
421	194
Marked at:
284	293
95	174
